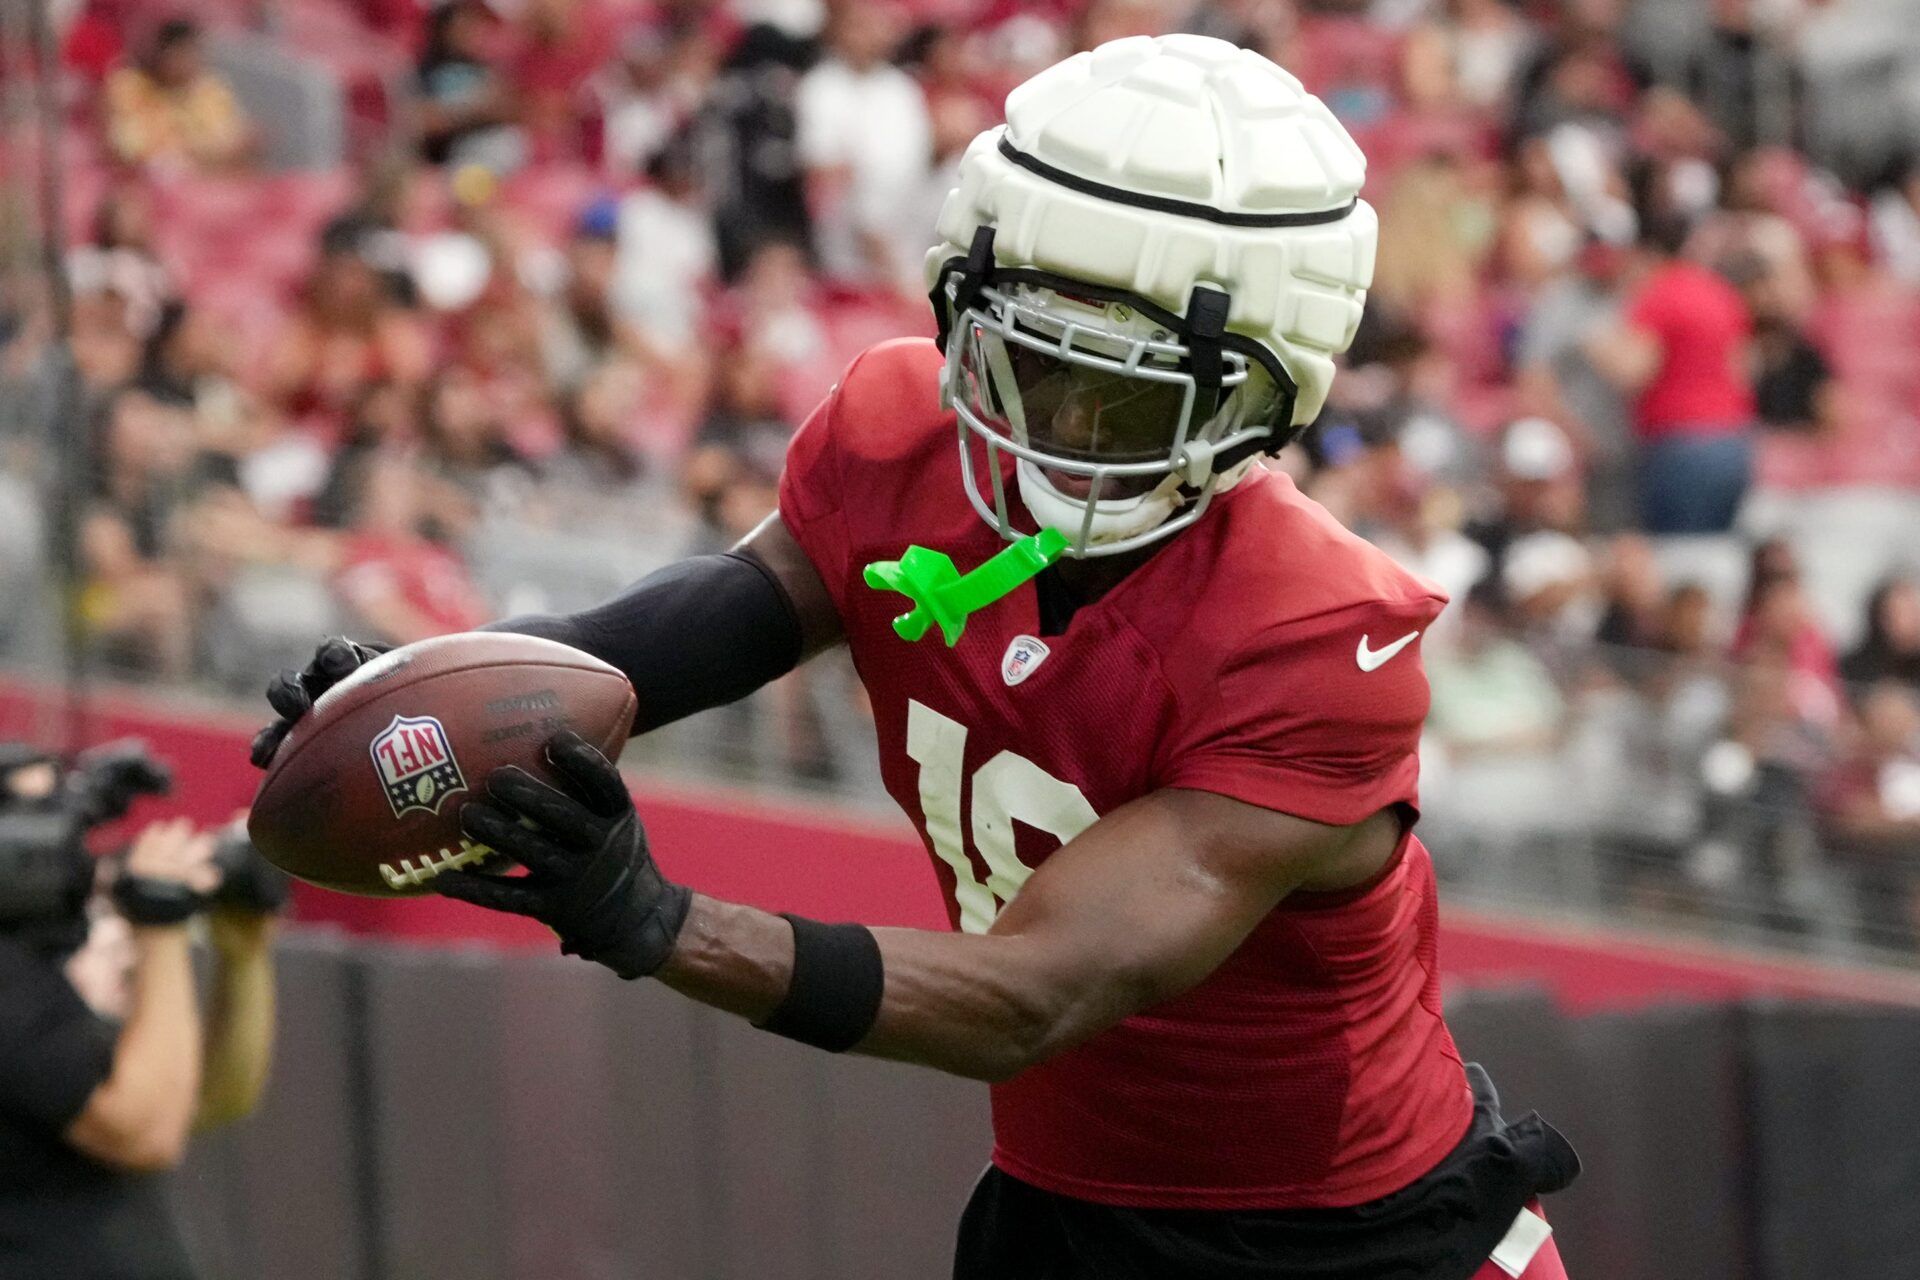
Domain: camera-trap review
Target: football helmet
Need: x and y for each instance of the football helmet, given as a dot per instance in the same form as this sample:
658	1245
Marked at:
1142	281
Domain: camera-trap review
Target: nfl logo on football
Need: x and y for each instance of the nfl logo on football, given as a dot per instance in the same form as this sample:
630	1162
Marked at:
416	764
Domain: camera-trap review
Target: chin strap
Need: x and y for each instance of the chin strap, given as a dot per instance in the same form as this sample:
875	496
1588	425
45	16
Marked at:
973	270
1206	325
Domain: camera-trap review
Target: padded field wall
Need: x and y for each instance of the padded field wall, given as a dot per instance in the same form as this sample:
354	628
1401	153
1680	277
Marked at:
479	1115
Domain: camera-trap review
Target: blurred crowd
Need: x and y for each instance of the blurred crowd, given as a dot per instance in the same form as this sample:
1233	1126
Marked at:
578	267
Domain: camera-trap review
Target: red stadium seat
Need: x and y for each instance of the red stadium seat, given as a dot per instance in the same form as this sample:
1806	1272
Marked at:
308	197
82	188
251	310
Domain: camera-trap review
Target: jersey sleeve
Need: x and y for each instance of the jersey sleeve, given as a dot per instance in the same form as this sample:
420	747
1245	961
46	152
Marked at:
811	485
54	1051
864	475
1318	717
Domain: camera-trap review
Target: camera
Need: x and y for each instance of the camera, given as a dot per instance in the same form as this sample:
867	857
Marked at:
46	810
104	781
45	873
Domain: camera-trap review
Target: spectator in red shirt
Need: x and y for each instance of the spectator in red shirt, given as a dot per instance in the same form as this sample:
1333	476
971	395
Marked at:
563	43
93	45
1681	351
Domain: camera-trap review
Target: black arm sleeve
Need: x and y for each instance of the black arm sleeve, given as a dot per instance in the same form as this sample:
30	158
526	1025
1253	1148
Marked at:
697	634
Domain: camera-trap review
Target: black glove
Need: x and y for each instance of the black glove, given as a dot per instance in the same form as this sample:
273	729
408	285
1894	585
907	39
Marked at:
589	876
248	882
291	693
149	900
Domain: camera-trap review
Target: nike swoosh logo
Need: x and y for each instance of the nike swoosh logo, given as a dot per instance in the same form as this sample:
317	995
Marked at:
1374	659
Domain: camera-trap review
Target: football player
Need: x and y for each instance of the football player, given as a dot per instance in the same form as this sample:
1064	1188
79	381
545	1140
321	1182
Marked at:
1159	737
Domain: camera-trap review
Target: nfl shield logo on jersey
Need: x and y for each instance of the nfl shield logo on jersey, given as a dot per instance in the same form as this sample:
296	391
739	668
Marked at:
416	764
1023	655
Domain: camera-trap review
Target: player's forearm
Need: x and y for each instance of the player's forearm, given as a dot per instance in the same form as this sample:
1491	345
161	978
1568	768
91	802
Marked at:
735	958
985	1006
972	1006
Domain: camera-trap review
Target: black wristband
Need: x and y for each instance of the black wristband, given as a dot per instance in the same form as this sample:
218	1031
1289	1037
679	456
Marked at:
147	901
834	995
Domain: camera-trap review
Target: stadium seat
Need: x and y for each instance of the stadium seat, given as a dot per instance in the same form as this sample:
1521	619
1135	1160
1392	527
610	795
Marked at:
297	102
266	621
82	186
200	205
307	197
523	569
1717	562
25	633
283	259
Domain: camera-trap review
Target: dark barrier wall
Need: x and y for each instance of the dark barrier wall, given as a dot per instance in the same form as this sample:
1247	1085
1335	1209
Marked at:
471	1115
1654	1103
281	1195
1835	1098
483	1116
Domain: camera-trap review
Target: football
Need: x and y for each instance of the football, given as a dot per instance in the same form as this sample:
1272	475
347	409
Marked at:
364	795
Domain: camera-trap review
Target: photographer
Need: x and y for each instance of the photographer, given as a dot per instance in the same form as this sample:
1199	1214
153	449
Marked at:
95	1104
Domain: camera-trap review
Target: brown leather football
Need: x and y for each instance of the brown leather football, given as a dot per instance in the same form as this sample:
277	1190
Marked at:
364	795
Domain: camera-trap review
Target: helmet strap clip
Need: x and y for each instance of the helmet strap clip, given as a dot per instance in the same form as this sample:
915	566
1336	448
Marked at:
1196	462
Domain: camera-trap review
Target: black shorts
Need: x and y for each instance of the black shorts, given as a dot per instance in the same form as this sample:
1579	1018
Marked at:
1441	1227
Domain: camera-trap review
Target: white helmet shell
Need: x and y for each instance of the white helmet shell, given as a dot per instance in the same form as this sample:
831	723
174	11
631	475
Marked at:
1152	165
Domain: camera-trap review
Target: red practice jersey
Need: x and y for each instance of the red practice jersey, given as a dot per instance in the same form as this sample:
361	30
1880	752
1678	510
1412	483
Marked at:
1260	655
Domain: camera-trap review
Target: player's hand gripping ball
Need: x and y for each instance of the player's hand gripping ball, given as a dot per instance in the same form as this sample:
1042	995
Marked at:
291	693
375	755
590	877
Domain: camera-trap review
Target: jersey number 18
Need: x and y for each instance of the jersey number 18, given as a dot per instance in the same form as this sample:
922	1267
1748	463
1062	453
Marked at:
1006	787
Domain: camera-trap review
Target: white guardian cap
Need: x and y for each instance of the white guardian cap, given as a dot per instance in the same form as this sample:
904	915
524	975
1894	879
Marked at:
1142	281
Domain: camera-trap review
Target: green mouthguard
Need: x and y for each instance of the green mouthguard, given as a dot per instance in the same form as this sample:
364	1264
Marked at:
942	594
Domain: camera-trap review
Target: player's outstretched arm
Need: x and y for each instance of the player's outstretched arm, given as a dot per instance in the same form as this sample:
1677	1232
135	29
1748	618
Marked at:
1138	908
705	631
1135	910
699	633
